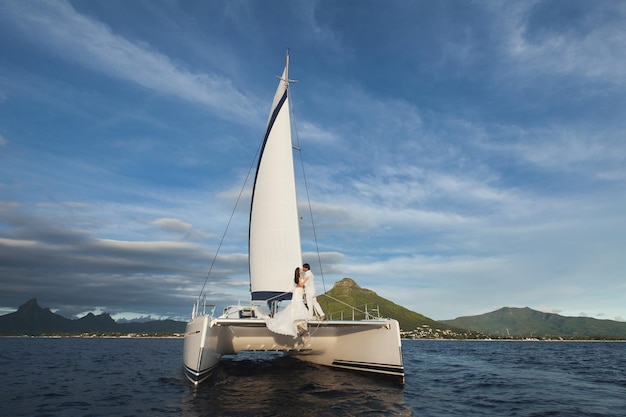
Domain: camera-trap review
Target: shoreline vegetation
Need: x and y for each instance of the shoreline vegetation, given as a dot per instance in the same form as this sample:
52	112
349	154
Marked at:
403	338
425	332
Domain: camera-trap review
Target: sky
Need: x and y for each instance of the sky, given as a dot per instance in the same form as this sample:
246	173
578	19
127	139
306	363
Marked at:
459	156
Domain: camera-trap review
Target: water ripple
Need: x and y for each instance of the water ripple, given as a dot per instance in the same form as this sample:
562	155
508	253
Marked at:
139	377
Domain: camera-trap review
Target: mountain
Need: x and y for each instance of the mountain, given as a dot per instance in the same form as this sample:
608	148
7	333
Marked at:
348	291
31	319
525	322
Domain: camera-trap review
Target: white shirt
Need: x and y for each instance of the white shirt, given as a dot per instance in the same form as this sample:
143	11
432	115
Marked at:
309	284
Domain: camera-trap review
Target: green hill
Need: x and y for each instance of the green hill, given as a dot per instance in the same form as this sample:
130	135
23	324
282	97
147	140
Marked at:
525	322
347	291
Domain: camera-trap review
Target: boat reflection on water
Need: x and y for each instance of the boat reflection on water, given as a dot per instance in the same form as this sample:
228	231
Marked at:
274	385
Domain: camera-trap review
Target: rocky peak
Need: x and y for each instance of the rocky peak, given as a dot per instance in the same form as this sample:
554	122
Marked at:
346	283
32	309
102	319
28	306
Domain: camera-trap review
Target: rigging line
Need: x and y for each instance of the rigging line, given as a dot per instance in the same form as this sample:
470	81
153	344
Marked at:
306	187
232	214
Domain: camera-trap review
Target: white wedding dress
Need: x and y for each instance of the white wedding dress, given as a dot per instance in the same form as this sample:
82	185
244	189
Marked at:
289	319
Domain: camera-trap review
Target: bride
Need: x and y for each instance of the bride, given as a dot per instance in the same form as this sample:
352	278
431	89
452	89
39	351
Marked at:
293	317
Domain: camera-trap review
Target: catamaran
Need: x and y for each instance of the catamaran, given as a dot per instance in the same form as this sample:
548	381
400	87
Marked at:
370	345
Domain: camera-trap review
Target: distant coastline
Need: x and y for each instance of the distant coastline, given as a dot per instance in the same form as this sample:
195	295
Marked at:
507	323
180	336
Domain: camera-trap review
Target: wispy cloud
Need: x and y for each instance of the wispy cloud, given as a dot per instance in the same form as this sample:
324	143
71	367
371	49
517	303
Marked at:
586	44
92	44
180	227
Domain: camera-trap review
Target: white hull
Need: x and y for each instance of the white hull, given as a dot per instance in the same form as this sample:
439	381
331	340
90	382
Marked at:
368	345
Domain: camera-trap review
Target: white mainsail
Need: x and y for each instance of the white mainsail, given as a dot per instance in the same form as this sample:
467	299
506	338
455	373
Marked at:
274	239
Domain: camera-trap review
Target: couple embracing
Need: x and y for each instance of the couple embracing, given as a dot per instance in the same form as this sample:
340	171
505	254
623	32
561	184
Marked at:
305	279
292	319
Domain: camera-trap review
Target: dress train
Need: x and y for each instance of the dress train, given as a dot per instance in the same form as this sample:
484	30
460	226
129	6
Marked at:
288	320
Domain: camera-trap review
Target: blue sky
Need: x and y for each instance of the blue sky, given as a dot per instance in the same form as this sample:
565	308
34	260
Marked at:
460	156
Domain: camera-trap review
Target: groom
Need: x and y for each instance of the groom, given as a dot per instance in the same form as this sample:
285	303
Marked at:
309	292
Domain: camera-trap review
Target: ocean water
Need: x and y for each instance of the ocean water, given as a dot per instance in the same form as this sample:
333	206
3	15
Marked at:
143	377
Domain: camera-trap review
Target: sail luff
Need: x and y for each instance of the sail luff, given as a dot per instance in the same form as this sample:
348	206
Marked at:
274	235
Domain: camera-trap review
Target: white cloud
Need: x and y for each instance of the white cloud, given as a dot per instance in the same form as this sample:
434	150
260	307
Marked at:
315	133
587	47
94	45
178	226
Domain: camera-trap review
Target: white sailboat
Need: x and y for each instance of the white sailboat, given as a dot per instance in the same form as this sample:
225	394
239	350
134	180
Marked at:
370	345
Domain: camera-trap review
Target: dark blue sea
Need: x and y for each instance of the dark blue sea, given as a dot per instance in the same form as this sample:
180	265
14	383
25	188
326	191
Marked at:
143	377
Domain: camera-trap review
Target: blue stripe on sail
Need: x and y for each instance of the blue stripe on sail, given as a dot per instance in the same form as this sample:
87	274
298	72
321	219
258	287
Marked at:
271	295
270	125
